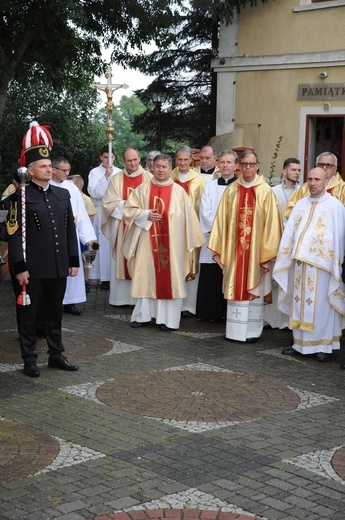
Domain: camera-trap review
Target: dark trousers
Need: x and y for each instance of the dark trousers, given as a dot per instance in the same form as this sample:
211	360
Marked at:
46	307
210	303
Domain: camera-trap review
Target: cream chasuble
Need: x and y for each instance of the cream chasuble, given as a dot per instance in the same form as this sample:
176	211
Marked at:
113	226
308	271
184	235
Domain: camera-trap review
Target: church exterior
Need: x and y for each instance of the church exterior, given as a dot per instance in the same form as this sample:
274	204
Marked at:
281	82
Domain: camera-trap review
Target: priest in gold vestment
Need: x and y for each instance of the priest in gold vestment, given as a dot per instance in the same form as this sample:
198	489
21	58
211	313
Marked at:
335	185
308	271
163	230
245	238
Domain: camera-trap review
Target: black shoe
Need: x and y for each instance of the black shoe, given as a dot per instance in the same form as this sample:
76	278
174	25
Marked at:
135	324
288	351
62	363
322	356
252	340
105	286
162	326
87	287
72	309
187	314
31	370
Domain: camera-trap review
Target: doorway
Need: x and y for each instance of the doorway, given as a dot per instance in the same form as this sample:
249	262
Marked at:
325	133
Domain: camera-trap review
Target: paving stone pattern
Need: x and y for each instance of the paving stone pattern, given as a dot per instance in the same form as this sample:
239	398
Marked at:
168	425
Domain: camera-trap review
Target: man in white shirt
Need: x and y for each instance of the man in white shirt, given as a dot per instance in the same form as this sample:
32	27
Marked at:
289	184
99	178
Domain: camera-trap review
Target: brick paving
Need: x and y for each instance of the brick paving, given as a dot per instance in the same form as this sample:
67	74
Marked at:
168	425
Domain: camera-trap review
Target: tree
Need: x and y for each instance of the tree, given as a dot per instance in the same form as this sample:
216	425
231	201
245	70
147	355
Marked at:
58	40
78	127
184	74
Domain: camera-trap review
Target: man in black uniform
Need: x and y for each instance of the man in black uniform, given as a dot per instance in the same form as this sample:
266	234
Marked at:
51	255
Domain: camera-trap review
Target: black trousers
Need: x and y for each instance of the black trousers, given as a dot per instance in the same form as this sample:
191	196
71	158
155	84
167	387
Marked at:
45	308
210	303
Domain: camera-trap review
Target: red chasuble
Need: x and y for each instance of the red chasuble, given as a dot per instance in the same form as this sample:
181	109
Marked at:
245	213
129	184
159	232
184	185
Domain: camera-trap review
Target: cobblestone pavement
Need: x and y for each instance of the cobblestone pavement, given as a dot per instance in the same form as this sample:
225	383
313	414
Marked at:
168	425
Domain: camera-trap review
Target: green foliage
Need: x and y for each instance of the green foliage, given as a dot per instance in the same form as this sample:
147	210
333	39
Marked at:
50	50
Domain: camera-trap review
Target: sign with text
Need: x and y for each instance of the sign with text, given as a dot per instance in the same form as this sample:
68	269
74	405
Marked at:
321	91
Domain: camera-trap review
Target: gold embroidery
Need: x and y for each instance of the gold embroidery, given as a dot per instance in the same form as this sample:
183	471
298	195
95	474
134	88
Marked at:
245	228
12	222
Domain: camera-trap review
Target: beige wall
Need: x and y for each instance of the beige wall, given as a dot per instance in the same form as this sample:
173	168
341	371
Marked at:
273	28
268	99
266	105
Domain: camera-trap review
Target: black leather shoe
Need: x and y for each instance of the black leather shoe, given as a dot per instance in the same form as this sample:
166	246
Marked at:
288	351
252	340
31	369
135	324
162	326
105	286
72	309
87	287
322	356
62	363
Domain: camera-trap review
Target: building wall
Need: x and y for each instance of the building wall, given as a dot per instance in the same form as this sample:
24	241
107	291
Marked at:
278	48
274	28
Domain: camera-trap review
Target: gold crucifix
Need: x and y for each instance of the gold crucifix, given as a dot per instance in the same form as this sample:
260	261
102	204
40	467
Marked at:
109	89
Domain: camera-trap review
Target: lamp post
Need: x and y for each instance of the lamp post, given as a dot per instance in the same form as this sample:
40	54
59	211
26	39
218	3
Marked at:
159	98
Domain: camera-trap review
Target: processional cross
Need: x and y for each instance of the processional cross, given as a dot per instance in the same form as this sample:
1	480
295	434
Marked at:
109	89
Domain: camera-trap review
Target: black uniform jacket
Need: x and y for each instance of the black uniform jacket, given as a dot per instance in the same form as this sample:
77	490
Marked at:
51	241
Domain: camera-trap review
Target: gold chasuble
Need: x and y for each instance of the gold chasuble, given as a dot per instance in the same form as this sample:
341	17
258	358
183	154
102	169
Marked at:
159	254
336	188
194	187
113	227
245	238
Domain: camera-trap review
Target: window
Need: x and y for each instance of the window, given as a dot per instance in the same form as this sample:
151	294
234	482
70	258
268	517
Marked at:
311	5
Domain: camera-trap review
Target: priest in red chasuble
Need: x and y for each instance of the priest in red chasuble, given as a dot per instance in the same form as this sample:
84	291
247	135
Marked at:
193	183
245	238
162	232
113	226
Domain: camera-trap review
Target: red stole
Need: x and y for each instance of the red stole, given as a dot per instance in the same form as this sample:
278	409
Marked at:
129	184
184	185
160	199
330	190
245	215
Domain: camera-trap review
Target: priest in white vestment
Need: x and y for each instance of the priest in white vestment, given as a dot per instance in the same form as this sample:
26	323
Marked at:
308	271
98	182
75	287
163	230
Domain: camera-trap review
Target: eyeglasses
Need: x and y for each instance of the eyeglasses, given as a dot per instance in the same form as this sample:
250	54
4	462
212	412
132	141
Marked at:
324	165
67	170
248	164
